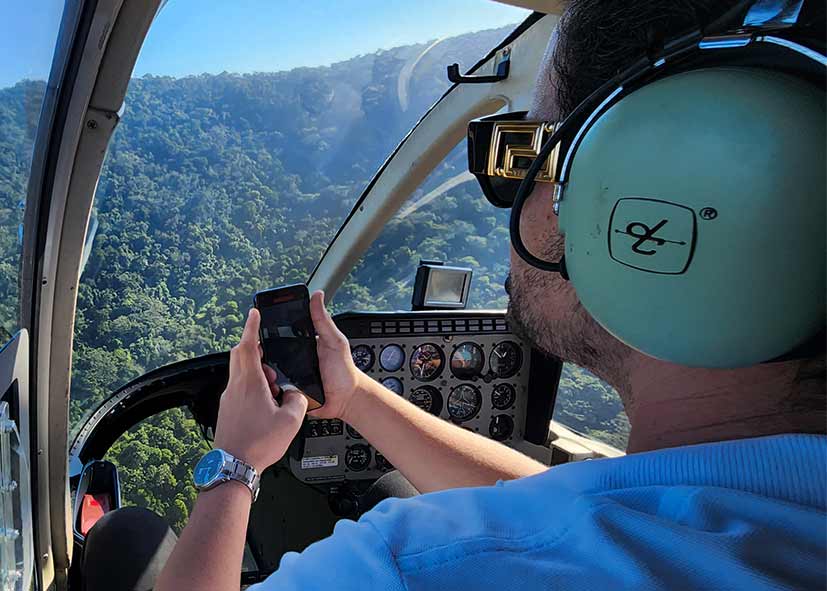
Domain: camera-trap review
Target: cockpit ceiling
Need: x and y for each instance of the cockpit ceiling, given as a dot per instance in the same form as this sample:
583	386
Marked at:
544	6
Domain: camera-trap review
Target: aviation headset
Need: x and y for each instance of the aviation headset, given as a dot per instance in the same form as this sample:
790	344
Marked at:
690	190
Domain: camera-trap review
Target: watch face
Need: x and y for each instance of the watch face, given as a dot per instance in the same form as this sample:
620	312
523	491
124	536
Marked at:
208	468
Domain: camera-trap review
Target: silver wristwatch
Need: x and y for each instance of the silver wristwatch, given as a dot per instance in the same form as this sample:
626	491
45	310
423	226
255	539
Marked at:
218	466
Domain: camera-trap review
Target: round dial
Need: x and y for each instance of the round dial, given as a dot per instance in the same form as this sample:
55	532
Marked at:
363	357
503	396
426	362
392	358
467	361
428	399
353	432
357	457
393	384
382	463
464	402
208	467
501	427
505	359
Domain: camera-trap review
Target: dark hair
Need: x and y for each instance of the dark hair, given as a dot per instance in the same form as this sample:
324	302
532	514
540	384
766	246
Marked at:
599	38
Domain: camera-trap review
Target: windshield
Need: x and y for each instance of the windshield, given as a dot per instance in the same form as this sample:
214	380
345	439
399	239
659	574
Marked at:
244	143
446	219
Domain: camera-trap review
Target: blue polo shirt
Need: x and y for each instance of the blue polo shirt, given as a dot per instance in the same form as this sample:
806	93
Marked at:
747	514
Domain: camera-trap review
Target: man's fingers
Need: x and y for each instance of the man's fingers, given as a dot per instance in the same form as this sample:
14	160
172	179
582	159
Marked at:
250	334
270	373
272	377
321	321
246	355
325	327
293	404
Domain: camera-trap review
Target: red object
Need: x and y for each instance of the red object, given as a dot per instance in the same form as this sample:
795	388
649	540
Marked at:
93	508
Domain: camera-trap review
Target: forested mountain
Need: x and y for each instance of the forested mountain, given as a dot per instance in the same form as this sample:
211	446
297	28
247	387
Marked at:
216	186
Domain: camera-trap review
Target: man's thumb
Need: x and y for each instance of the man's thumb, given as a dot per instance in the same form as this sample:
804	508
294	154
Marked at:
322	321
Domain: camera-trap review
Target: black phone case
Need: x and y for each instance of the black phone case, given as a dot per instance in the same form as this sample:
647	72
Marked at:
282	295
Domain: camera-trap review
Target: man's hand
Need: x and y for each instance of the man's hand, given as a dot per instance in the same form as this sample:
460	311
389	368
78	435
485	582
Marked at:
251	425
402	432
340	377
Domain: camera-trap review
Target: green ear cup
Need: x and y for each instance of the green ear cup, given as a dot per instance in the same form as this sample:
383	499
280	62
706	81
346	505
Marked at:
694	217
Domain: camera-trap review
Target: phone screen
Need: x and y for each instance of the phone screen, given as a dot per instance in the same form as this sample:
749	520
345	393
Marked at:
289	339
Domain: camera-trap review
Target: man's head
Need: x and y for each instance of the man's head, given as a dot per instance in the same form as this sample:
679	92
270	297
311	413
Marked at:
595	40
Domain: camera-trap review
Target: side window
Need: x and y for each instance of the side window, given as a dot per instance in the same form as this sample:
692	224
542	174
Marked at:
590	406
155	459
448	219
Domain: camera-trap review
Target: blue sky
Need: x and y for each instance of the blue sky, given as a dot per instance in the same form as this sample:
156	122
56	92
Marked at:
195	36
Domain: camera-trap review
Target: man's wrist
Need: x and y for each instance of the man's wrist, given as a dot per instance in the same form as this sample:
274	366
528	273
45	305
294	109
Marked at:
360	400
229	491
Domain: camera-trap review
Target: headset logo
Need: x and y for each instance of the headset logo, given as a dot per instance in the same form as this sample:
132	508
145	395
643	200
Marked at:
646	235
652	235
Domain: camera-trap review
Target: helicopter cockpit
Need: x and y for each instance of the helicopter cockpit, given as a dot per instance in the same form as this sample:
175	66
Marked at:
163	164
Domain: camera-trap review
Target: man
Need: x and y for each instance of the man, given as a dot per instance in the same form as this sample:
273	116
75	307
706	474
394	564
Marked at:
724	503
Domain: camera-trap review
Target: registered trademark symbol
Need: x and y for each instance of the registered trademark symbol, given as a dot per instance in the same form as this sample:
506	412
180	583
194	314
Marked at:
709	213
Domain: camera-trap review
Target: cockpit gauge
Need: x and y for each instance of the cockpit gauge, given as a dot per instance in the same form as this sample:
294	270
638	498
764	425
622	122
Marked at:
503	396
501	427
426	362
392	358
357	457
428	399
393	384
382	463
464	402
353	432
467	361
363	357
505	359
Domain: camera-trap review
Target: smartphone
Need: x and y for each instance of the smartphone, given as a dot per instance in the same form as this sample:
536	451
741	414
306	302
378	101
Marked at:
289	339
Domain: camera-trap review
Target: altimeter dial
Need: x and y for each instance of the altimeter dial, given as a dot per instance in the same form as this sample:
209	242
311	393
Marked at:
426	362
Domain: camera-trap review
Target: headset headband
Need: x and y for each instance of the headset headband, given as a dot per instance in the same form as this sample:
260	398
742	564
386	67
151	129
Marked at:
752	25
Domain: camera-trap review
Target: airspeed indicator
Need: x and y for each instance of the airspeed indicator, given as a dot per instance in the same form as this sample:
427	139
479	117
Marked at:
363	357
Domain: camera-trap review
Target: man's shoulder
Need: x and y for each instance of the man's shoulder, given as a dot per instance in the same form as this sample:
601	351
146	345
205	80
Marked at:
484	515
686	508
771	469
741	514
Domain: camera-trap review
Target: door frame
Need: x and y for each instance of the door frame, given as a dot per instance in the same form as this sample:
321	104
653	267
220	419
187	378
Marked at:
96	53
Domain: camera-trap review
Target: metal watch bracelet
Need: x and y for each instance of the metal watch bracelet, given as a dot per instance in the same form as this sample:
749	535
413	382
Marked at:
241	472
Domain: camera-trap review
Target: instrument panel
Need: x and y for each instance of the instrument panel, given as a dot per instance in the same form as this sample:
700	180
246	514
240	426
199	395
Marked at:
464	367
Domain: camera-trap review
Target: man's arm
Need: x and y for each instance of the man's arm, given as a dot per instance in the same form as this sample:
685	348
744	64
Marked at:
253	428
209	553
431	453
